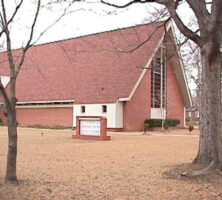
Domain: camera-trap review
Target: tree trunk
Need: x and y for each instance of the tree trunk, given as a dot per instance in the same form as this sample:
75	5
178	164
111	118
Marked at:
12	149
12	137
210	144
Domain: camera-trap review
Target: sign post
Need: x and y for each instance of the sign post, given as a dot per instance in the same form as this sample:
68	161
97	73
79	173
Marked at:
91	128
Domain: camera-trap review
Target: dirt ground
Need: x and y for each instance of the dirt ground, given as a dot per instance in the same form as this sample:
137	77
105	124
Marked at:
129	167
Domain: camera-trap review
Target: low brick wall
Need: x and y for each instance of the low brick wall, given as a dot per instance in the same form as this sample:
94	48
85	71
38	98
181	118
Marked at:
50	117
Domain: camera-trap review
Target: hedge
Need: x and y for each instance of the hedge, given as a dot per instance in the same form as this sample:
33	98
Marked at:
158	122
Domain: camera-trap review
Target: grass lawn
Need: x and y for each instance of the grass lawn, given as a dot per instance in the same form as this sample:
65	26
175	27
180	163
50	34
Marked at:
129	167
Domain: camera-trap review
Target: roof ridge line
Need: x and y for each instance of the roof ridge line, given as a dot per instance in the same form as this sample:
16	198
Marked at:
91	34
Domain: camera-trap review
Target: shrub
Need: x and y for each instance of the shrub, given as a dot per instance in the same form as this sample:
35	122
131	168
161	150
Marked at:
166	126
146	127
172	122
191	127
38	126
158	122
1	122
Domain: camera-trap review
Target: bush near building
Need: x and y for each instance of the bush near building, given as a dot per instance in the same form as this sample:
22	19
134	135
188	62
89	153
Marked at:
158	122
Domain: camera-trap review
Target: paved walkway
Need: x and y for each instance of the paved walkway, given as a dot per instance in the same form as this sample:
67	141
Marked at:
172	133
154	134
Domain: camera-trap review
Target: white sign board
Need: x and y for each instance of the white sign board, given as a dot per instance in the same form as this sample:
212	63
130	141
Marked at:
158	113
90	127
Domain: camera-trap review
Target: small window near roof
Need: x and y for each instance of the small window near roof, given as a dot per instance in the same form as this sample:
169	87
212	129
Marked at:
83	109
104	108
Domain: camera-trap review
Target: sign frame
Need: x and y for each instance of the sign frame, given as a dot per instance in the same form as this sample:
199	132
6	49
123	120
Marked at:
93	130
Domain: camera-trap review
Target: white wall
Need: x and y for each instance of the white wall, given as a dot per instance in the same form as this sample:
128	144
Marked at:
5	80
114	113
119	114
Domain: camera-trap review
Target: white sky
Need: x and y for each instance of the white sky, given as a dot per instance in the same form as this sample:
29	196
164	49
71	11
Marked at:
85	18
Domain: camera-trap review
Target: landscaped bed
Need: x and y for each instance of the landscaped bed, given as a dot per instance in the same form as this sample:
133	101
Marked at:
129	167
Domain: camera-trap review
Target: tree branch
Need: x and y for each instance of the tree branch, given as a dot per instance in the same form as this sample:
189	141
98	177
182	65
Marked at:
146	40
28	45
132	2
7	33
200	12
183	29
216	16
186	39
131	50
125	5
56	21
171	6
13	15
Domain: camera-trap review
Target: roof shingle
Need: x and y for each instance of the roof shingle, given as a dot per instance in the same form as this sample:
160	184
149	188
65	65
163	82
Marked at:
88	69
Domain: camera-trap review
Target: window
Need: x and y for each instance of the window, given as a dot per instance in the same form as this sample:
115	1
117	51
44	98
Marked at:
83	109
104	108
4	80
158	79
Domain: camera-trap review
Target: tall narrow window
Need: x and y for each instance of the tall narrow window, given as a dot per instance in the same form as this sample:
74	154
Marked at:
83	109
158	79
104	108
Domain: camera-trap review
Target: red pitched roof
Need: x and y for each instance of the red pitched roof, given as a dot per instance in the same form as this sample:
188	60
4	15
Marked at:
86	69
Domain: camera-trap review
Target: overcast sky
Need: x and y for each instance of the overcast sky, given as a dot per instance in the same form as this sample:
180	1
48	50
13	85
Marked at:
81	19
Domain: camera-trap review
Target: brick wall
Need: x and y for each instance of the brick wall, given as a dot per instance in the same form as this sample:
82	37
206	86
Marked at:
175	104
2	117
134	111
137	109
45	116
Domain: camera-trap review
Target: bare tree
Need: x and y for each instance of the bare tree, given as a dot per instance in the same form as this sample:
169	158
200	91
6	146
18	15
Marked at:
191	58
10	97
15	60
208	37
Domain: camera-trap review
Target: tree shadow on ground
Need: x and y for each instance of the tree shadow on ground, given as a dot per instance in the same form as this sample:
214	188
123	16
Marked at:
176	171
